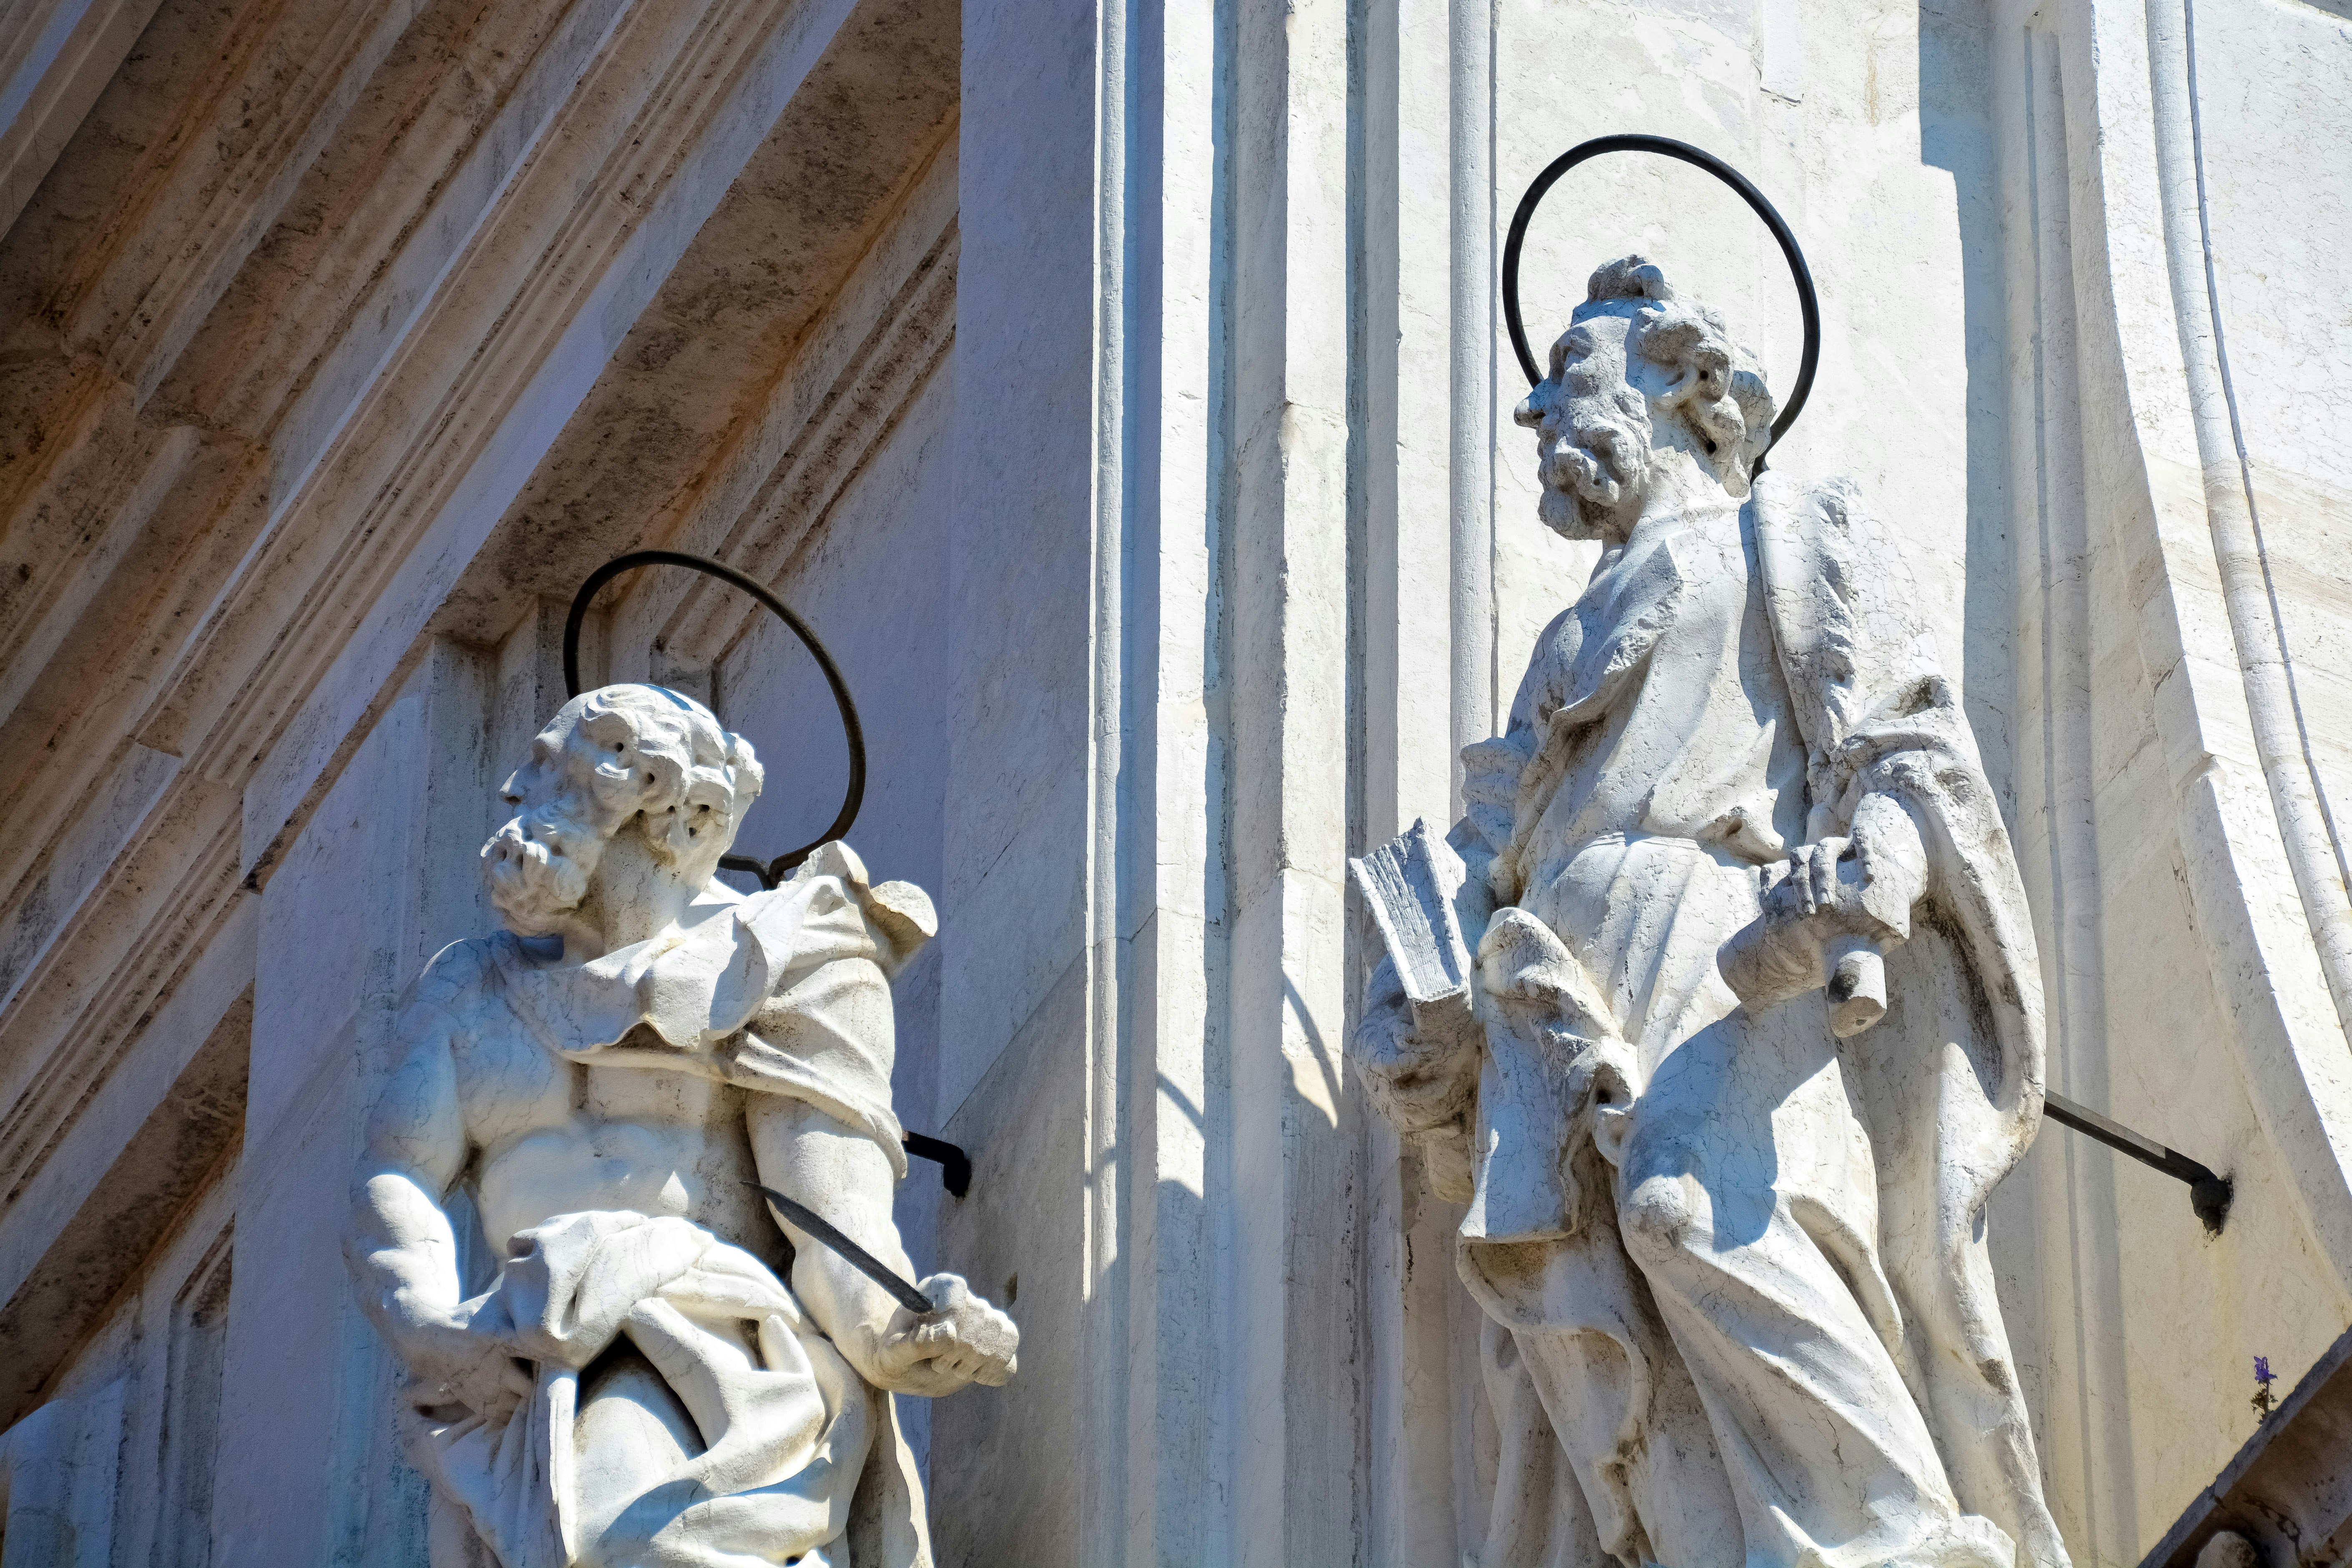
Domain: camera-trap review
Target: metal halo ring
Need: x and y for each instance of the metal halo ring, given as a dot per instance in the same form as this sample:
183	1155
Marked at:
772	872
1667	147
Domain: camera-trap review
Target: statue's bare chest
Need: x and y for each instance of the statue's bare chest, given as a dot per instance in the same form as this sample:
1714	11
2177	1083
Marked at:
551	1136
510	1086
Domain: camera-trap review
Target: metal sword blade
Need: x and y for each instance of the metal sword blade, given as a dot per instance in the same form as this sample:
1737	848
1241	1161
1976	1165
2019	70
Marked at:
856	1256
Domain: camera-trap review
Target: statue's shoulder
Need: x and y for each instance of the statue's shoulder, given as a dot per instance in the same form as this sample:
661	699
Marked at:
1846	613
1818	541
897	918
1828	529
1825	513
463	971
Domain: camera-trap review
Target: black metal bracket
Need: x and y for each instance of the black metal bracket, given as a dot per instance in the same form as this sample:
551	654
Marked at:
2208	1195
955	1165
1667	147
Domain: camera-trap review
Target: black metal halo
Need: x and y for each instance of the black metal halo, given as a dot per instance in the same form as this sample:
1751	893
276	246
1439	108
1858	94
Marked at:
1667	147
770	872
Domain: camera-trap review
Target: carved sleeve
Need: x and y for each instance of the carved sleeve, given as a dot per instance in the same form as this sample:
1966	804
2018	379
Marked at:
1495	772
828	1039
1881	719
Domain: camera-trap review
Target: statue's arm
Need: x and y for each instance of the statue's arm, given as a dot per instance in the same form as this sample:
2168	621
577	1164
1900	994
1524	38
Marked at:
1426	1086
1884	728
1486	836
400	1247
816	1160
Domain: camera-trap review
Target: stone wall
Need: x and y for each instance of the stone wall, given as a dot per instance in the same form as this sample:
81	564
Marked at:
1122	394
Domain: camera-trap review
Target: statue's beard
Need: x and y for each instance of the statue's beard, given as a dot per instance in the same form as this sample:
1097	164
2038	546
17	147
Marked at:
538	865
1593	458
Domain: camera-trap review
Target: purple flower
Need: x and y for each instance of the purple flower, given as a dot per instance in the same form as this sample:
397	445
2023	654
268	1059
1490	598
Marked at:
2262	1369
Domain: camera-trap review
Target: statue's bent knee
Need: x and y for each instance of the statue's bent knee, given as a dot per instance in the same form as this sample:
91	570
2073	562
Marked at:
1657	1218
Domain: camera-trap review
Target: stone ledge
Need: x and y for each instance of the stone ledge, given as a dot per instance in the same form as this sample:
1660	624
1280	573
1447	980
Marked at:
2287	1491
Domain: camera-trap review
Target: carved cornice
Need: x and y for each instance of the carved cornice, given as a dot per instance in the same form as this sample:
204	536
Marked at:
186	224
109	969
56	58
367	235
833	441
564	218
813	426
272	623
76	519
488	532
202	600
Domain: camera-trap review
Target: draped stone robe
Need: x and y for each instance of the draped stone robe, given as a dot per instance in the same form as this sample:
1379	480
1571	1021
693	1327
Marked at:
801	1461
1739	1307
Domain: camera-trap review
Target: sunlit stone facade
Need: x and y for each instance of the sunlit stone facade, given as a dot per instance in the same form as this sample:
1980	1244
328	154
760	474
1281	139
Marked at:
1122	392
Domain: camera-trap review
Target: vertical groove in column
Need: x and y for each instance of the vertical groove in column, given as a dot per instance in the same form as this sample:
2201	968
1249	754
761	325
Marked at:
1168	797
2075	962
2245	466
2303	828
1103	1513
1471	118
1295	1163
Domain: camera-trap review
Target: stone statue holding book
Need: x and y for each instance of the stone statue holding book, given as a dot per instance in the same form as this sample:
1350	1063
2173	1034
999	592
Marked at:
1720	1011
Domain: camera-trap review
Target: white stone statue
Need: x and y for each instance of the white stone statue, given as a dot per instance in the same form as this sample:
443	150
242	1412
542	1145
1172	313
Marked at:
1727	1226
555	1224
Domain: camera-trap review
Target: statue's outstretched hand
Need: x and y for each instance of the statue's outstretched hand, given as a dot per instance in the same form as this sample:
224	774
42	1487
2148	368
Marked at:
962	1341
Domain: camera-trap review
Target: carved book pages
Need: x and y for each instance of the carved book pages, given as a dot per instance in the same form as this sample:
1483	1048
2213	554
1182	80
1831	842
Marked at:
1430	913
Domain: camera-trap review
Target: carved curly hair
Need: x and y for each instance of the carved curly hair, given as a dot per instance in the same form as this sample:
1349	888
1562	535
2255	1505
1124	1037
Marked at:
671	760
1728	405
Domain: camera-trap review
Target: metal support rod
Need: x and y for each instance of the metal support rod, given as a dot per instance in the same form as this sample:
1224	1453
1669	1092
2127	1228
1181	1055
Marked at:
770	872
955	1165
1807	301
2208	1194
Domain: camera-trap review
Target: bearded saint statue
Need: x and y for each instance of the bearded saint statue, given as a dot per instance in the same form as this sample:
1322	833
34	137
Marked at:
1729	1235
555	1224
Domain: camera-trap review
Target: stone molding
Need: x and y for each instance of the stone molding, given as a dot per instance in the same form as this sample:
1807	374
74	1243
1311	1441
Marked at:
56	58
205	614
99	1165
67	1035
2157	496
819	425
134	306
836	441
472	507
598	199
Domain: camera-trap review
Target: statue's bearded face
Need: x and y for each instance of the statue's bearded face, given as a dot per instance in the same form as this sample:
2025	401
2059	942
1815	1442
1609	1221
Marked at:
1640	381
624	758
541	863
1592	420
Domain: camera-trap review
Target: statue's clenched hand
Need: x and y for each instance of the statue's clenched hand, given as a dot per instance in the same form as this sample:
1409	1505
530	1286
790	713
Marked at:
1862	884
961	1341
473	1368
1834	894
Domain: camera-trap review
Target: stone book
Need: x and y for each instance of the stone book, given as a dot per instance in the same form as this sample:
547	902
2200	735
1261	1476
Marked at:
1430	913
